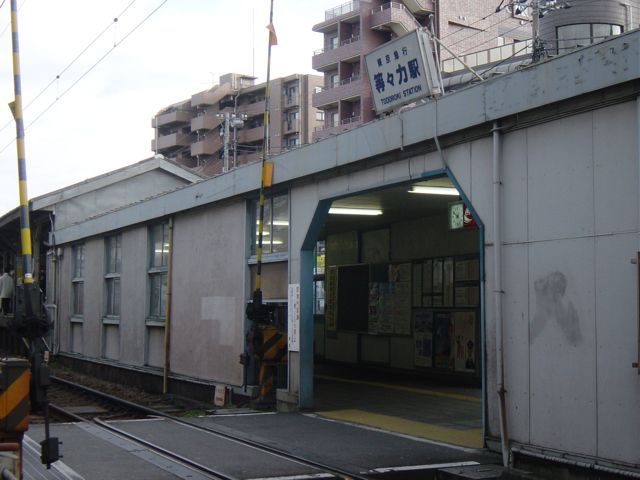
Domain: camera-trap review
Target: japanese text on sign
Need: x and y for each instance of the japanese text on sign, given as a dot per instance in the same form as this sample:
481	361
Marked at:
398	71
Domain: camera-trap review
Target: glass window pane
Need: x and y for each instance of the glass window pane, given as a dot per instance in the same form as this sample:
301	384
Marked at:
280	224
266	229
78	300
601	31
616	29
116	297
158	293
118	254
113	296
78	261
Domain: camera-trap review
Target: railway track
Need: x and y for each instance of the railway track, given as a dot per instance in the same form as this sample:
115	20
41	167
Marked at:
99	410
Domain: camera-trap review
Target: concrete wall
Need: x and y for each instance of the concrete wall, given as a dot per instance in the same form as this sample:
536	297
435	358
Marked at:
210	267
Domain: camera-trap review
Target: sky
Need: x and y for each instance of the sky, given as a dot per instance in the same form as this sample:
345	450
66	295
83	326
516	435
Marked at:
91	85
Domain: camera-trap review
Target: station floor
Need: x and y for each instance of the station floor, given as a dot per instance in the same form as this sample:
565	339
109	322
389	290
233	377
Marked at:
419	408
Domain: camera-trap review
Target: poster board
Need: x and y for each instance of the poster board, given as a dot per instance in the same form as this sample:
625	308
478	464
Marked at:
423	338
390	301
352	313
464	328
442	341
331	299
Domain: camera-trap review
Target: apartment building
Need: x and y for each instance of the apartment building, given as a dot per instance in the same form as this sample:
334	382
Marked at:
353	29
223	127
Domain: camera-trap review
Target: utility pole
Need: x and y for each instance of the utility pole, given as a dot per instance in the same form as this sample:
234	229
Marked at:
229	121
538	47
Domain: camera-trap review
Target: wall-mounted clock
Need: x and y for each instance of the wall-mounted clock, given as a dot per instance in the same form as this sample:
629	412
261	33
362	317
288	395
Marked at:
456	215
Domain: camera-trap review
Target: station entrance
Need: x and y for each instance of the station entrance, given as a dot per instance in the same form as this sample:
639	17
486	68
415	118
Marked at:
398	313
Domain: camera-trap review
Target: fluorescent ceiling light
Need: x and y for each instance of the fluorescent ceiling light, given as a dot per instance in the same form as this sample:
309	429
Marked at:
280	223
435	190
355	211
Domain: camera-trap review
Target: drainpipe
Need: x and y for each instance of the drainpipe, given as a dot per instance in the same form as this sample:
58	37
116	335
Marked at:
167	323
497	290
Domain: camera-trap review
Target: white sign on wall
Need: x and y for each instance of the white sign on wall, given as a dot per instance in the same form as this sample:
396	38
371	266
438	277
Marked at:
293	331
403	71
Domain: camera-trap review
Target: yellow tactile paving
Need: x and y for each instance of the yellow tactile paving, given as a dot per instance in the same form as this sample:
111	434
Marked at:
421	391
471	438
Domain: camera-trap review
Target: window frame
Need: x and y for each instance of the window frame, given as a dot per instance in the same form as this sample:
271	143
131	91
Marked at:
590	40
157	273
79	253
268	253
112	277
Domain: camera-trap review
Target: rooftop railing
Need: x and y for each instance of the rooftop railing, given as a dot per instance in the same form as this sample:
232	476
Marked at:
342	9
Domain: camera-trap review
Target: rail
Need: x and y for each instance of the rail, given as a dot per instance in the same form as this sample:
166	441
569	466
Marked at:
328	48
400	7
490	55
347	121
341	9
211	430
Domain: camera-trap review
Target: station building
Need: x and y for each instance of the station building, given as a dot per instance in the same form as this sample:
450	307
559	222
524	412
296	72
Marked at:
522	283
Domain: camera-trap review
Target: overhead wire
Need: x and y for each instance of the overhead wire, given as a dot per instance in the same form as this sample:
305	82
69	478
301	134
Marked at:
70	64
116	44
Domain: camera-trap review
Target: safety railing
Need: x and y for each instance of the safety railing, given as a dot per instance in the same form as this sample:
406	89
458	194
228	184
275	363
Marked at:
342	9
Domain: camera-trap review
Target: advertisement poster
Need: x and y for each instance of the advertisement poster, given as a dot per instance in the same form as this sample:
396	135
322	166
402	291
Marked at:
331	299
442	341
375	305
423	338
464	341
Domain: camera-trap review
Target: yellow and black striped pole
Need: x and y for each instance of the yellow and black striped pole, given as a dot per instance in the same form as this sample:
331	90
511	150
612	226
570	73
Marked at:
266	170
16	109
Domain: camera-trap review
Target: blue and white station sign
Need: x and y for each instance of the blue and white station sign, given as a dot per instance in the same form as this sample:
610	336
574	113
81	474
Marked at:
403	71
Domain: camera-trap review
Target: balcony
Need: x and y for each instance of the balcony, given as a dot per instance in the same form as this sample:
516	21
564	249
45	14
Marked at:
339	13
249	135
211	96
395	17
346	124
328	58
290	126
207	146
350	87
291	101
208	121
168	119
420	7
252	109
172	141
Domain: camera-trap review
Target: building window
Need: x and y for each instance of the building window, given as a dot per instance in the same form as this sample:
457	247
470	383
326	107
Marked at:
317	89
275	233
320	115
333	42
78	280
335	119
158	270
292	141
580	35
335	80
113	257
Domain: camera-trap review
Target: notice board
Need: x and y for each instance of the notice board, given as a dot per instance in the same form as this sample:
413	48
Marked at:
352	311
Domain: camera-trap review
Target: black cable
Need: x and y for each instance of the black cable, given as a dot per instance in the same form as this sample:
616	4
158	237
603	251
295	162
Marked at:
57	77
6	27
90	69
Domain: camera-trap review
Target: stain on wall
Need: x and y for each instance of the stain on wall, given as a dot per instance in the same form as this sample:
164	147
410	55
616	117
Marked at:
553	310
